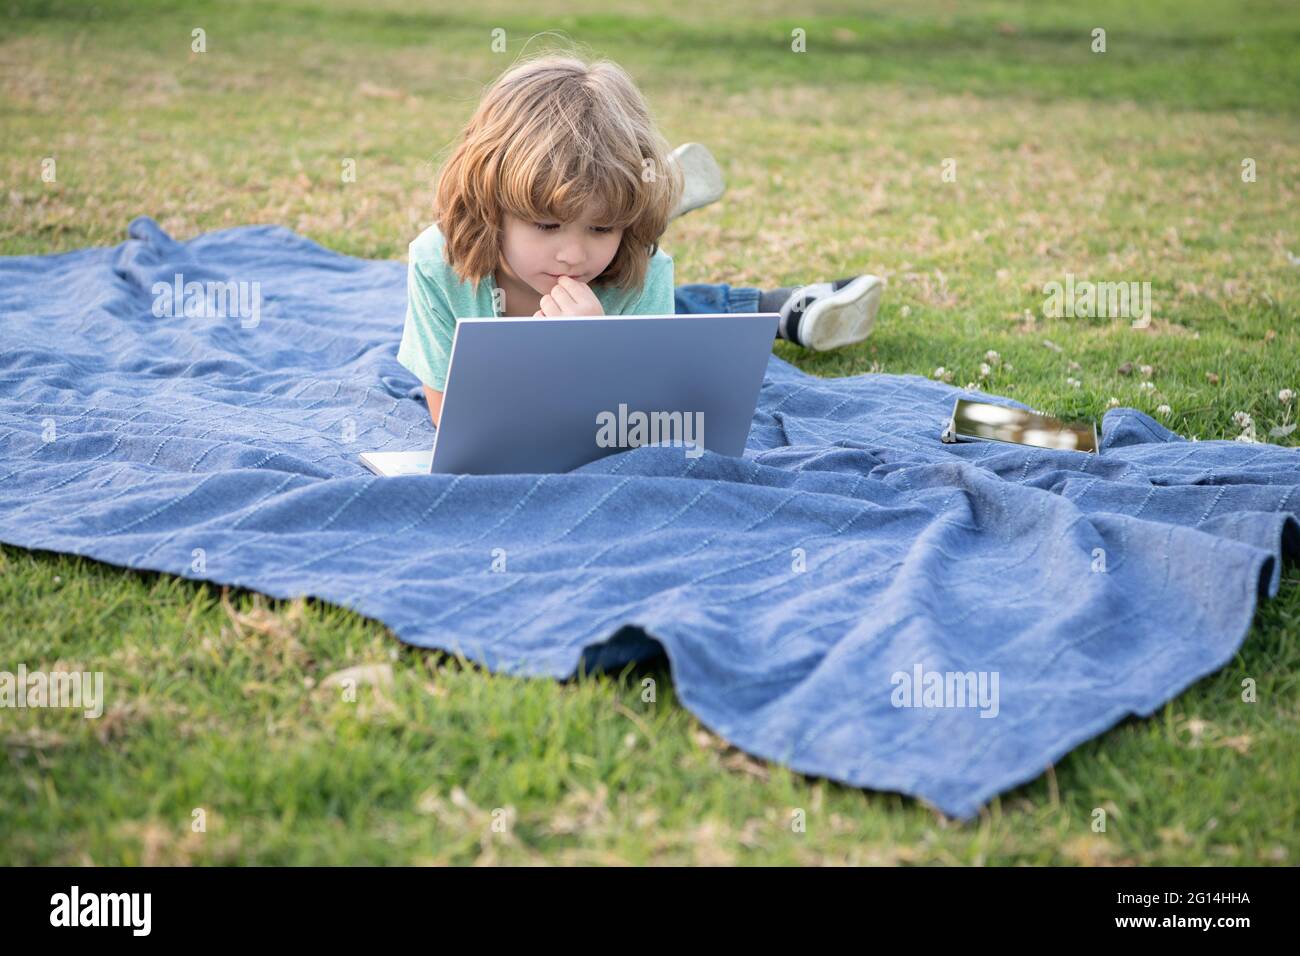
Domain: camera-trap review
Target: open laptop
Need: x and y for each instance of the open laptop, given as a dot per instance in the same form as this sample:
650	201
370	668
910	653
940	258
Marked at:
548	394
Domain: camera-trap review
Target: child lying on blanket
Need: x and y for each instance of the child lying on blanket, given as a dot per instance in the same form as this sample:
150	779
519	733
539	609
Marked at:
553	203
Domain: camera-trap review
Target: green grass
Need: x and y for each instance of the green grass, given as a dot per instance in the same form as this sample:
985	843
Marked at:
1116	166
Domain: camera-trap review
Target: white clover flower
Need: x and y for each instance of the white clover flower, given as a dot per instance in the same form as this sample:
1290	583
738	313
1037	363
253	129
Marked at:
985	371
1113	402
1247	426
1285	396
1146	370
992	357
1164	410
1146	386
905	311
1073	382
942	374
1009	367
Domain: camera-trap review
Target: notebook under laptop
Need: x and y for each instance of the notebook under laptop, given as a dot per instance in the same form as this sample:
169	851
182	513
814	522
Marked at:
546	395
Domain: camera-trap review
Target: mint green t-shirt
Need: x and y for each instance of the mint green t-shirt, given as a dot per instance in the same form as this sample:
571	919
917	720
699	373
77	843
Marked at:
436	297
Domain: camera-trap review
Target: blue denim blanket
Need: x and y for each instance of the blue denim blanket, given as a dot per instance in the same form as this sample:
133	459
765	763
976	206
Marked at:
851	598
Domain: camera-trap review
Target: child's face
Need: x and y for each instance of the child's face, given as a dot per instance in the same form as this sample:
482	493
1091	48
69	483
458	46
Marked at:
538	256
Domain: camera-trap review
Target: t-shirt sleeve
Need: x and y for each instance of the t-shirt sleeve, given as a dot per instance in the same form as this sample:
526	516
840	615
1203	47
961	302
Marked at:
426	339
656	296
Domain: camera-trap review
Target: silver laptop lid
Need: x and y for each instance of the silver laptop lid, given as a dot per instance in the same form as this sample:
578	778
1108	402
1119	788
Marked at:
546	395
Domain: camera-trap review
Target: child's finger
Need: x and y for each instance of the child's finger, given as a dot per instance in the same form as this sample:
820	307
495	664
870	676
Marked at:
583	299
562	290
563	296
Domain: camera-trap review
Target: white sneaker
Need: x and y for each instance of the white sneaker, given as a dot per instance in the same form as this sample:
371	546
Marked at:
703	182
826	315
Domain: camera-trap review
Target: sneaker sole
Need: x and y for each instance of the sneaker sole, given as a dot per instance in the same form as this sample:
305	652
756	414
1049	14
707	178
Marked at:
701	178
844	317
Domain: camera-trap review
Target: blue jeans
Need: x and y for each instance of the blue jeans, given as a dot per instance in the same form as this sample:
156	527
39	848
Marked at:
703	298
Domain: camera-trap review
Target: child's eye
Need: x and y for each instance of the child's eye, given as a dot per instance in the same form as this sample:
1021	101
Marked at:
550	226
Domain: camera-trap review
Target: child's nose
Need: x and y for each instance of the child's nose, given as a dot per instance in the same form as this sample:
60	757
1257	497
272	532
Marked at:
571	251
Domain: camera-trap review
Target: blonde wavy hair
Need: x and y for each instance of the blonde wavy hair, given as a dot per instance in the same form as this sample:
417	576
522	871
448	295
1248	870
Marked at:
551	138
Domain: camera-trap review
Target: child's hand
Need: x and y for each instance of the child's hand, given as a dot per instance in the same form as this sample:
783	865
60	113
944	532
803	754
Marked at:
570	297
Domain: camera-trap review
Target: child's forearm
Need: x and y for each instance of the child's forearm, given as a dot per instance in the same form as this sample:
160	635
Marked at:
434	400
